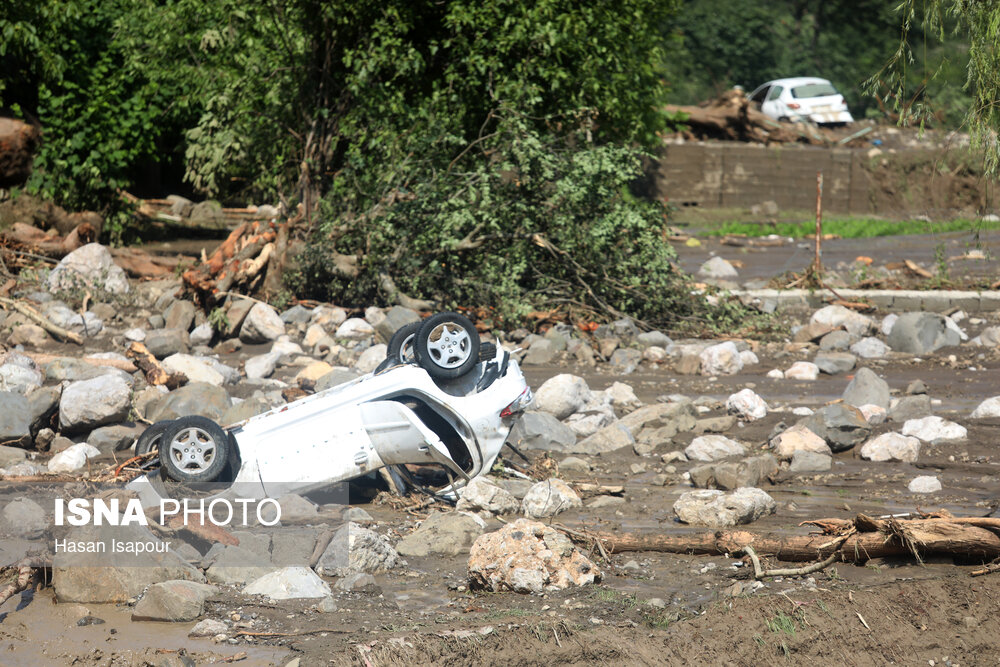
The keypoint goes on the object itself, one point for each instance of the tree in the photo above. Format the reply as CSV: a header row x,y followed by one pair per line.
x,y
978,23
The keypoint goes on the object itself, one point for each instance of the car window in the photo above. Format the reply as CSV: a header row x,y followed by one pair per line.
x,y
760,95
813,90
775,92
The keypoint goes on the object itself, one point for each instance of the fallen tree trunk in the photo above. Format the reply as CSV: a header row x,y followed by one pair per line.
x,y
42,358
235,262
42,321
858,541
50,244
154,371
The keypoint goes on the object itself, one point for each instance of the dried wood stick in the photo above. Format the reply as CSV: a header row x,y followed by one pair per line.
x,y
42,321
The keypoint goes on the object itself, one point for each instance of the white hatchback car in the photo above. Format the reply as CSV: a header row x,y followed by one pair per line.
x,y
802,98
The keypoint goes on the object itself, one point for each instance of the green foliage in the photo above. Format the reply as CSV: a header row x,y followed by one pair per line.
x,y
977,24
851,228
716,44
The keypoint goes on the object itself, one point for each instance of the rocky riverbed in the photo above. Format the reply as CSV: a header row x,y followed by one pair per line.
x,y
631,431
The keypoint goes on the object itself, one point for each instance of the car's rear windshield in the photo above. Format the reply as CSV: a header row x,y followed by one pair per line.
x,y
813,90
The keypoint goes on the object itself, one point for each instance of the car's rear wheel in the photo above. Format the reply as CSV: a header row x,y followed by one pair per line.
x,y
194,449
447,345
401,344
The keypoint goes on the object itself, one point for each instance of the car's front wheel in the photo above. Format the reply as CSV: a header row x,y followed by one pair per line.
x,y
194,449
447,345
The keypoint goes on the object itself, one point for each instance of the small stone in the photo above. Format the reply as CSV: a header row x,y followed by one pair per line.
x,y
933,429
549,498
747,405
262,325
354,328
806,461
891,447
865,388
721,359
924,484
798,438
723,510
802,370
562,395
713,448
870,348
208,627
987,409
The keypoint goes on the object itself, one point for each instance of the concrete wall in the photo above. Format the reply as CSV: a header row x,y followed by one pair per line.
x,y
733,175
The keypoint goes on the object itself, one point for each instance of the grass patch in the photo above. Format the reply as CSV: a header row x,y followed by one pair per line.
x,y
852,228
782,623
513,612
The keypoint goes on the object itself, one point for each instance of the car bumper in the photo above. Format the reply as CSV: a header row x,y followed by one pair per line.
x,y
823,117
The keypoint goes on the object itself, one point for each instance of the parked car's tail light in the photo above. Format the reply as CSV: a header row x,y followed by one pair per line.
x,y
793,105
519,404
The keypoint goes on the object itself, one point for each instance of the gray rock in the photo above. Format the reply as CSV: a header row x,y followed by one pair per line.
x,y
18,373
607,439
296,315
934,429
625,360
748,472
717,268
289,583
73,458
891,447
261,366
15,418
713,448
293,546
805,461
90,266
202,335
836,317
542,431
197,398
23,517
262,324
371,358
867,388
562,395
395,319
989,408
922,333
116,438
356,582
163,343
208,627
835,340
721,359
796,439
354,328
357,549
549,498
917,387
747,405
481,495
834,363
541,352
924,484
335,377
841,426
296,508
173,601
244,410
98,578
574,464
236,312
442,533
654,339
209,214
910,407
11,456
870,348
68,369
91,403
180,206
723,510
680,414
237,565
179,315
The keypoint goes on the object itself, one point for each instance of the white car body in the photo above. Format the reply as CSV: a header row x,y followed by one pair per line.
x,y
390,418
802,98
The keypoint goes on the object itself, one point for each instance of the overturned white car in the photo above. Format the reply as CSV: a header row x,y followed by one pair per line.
x,y
440,401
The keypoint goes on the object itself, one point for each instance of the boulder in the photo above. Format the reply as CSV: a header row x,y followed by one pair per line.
x,y
356,582
721,359
837,317
443,534
717,268
990,408
562,395
357,549
195,369
717,509
747,405
91,403
836,340
73,458
335,377
179,315
480,495
934,429
841,426
395,319
654,339
113,578
751,471
870,348
198,398
548,498
289,583
163,343
891,447
805,461
542,431
30,335
867,388
19,373
354,328
208,627
23,517
910,407
236,564
713,448
209,214
176,601
115,438
528,557
262,325
89,267
371,358
607,439
201,335
625,360
15,418
924,484
802,370
11,456
922,333
261,366
798,438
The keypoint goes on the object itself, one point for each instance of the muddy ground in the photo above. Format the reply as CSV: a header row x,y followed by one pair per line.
x,y
651,608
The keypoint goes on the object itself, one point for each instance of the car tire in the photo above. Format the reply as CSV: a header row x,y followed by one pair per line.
x,y
401,344
487,351
150,438
447,345
194,449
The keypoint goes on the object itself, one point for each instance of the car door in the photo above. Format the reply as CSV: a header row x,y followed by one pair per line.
x,y
758,96
773,106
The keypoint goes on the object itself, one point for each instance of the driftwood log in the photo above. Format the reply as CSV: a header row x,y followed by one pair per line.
x,y
49,244
852,541
236,262
154,371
